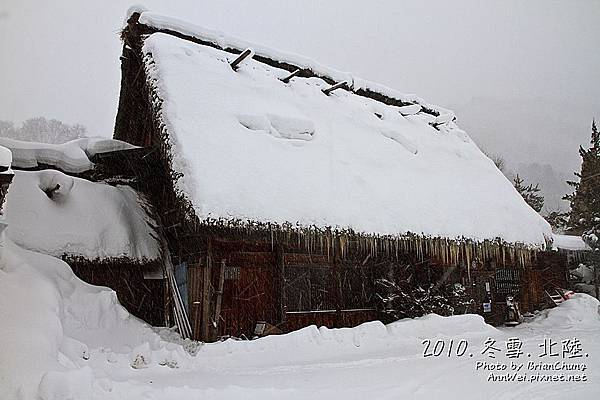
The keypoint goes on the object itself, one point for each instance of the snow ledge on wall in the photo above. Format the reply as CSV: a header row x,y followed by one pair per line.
x,y
72,157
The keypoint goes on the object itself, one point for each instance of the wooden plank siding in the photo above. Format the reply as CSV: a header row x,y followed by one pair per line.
x,y
258,280
143,298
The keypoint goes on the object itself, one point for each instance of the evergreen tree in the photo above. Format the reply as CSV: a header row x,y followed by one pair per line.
x,y
531,194
585,200
584,217
557,220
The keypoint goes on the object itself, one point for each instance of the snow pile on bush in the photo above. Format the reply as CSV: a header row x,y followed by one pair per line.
x,y
73,156
56,214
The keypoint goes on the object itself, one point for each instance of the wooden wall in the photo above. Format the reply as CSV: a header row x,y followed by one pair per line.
x,y
263,282
144,298
527,285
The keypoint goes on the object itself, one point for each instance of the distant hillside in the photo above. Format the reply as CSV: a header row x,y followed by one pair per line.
x,y
540,145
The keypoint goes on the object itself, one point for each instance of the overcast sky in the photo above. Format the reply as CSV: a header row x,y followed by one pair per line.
x,y
522,76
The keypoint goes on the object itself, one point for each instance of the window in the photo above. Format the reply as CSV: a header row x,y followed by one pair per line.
x,y
321,288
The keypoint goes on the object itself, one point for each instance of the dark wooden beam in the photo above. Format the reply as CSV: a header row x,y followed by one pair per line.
x,y
334,87
206,295
290,76
236,63
218,300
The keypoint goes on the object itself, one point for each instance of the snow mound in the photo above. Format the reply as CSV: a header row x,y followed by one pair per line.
x,y
56,214
72,157
54,183
61,385
59,327
279,126
312,343
580,311
434,325
584,273
400,139
410,109
292,128
49,328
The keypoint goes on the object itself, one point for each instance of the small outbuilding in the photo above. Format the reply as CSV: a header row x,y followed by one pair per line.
x,y
62,202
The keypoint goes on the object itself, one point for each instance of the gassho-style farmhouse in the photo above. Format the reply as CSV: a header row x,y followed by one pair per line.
x,y
263,192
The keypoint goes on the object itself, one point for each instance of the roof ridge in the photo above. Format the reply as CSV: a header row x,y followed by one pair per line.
x,y
141,21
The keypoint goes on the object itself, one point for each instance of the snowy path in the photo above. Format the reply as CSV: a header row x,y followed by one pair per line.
x,y
398,371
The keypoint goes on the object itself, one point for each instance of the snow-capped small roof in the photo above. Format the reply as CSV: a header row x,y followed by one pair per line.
x,y
251,147
72,157
569,242
5,157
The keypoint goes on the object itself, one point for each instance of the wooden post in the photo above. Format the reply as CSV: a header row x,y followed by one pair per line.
x,y
290,76
236,63
195,273
334,87
280,284
219,297
206,297
597,280
167,302
179,311
337,276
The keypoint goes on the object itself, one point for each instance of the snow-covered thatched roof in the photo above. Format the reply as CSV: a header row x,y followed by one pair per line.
x,y
363,157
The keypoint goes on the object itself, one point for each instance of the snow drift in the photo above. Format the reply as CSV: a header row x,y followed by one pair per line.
x,y
580,311
50,319
314,344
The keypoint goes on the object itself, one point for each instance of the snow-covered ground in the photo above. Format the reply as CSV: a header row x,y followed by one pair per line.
x,y
61,338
